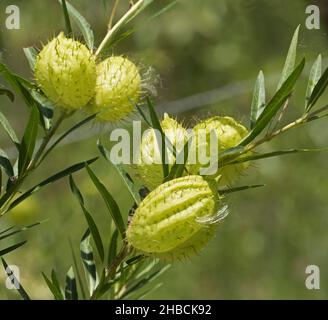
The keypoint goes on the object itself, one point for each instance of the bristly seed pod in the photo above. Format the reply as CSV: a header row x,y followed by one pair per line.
x,y
118,89
149,170
229,133
65,70
177,219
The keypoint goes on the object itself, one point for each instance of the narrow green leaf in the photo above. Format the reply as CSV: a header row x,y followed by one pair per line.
x,y
46,108
6,164
11,248
243,188
123,175
110,203
70,288
77,271
67,19
291,59
82,23
52,179
274,105
9,130
315,75
15,281
30,54
260,156
112,248
28,142
67,133
318,90
90,221
258,102
8,93
161,141
89,264
53,288
4,235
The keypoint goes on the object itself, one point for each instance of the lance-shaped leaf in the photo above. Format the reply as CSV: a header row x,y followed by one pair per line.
x,y
11,248
6,234
291,59
54,285
258,102
242,188
28,142
315,75
66,17
8,93
15,282
318,90
30,54
111,204
274,105
6,164
90,221
70,287
112,248
9,130
127,180
52,179
89,264
82,23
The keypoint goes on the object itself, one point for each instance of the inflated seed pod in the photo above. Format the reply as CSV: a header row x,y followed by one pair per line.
x,y
65,70
229,133
177,219
118,89
149,170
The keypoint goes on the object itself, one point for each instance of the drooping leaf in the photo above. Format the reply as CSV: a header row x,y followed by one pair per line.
x,y
111,204
112,248
90,221
77,271
9,130
70,287
11,248
82,23
55,177
89,264
54,290
315,75
8,93
279,153
123,175
67,133
28,142
15,281
243,188
30,54
318,90
258,102
291,59
6,164
274,105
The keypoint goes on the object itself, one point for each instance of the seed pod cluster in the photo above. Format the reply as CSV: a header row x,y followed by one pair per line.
x,y
167,224
66,71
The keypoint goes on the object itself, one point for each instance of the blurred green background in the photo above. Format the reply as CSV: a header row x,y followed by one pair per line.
x,y
216,48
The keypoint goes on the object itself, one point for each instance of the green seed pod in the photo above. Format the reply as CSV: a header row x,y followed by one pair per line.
x,y
229,133
65,70
118,89
149,169
177,219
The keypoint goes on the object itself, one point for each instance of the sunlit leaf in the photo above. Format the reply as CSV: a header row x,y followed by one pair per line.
x,y
315,75
258,102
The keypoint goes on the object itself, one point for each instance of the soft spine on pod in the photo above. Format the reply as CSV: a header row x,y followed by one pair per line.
x,y
228,135
118,89
65,70
166,225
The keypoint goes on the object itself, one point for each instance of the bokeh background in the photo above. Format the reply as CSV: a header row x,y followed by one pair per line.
x,y
206,55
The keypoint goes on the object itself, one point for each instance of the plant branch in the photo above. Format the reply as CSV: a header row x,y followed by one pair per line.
x,y
112,16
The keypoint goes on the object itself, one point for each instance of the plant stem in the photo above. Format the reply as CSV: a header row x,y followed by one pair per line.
x,y
112,16
132,11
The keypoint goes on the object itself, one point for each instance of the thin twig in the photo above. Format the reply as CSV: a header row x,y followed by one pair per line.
x,y
112,16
